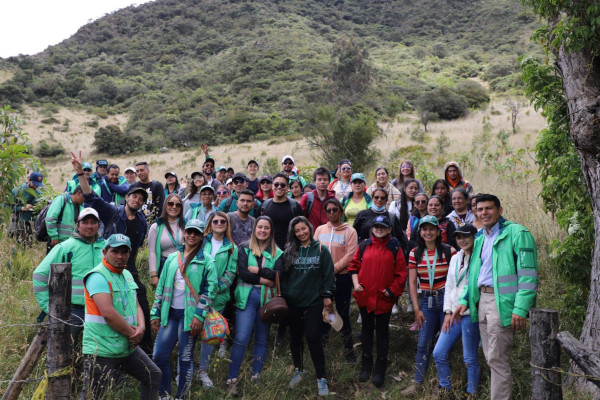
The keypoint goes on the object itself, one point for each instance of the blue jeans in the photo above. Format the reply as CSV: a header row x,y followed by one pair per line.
x,y
470,341
247,320
434,317
165,341
206,351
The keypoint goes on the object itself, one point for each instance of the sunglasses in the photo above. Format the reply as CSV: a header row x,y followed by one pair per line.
x,y
379,198
197,179
287,163
420,201
173,204
219,222
206,193
279,184
193,232
221,191
332,210
238,182
346,169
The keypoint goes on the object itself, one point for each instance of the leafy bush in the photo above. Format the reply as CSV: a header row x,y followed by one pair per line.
x,y
45,150
443,102
111,140
475,94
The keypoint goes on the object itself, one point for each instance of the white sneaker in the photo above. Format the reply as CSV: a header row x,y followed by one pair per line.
x,y
222,352
205,380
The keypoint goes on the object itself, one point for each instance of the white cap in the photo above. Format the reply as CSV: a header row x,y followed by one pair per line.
x,y
88,211
229,181
129,169
287,156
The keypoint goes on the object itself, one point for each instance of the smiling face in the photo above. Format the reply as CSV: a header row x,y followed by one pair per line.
x,y
239,184
421,203
382,177
346,171
380,231
459,202
266,186
174,207
192,237
302,232
411,190
287,165
465,242
113,175
88,227
489,213
143,172
219,224
206,196
171,180
280,187
379,198
429,232
406,170
252,169
434,207
262,230
134,201
199,180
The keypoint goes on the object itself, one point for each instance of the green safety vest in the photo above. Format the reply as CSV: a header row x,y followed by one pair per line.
x,y
81,254
98,337
242,291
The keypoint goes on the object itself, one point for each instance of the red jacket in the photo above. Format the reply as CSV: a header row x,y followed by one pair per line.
x,y
317,215
378,272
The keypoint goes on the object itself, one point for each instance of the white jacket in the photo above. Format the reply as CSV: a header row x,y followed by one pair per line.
x,y
453,292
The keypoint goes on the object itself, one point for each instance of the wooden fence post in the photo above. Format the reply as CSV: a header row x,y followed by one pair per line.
x,y
59,333
584,357
35,350
545,354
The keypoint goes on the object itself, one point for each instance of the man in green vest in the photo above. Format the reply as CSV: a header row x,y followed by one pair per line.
x,y
502,288
114,326
83,250
62,216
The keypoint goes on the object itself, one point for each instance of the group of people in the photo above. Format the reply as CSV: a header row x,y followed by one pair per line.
x,y
470,274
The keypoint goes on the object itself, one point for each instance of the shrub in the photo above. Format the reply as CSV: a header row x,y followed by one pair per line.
x,y
111,140
443,102
475,94
46,150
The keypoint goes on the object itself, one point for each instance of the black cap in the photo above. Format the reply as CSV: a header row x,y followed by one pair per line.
x,y
137,189
196,173
266,178
101,163
170,174
253,162
239,175
344,161
383,220
466,229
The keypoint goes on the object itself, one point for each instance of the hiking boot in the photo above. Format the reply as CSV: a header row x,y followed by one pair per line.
x,y
222,352
413,390
232,387
365,368
255,378
297,378
205,380
323,388
379,376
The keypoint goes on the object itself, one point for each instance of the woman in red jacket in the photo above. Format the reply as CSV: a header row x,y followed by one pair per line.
x,y
378,275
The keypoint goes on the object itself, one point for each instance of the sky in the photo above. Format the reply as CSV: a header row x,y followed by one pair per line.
x,y
29,26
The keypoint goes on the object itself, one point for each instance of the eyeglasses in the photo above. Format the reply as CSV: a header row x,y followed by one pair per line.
x,y
379,198
287,163
219,222
206,193
346,169
193,232
332,210
279,185
197,179
405,167
420,202
173,204
238,182
222,192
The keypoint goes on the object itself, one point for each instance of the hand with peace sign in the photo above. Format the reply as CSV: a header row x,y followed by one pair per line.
x,y
76,163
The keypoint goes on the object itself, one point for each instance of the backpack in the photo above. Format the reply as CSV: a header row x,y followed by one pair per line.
x,y
39,226
292,203
310,199
363,245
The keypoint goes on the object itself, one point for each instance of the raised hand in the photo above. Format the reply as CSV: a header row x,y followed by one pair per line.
x,y
76,162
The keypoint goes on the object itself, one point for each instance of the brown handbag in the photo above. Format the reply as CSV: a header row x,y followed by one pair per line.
x,y
276,309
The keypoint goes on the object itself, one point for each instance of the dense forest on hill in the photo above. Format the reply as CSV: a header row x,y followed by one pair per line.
x,y
194,70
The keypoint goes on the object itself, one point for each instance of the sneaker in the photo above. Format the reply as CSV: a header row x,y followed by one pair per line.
x,y
323,388
232,387
255,378
410,308
222,349
412,390
297,378
205,380
359,320
395,309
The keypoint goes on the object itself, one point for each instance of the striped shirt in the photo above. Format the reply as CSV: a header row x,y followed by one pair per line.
x,y
441,269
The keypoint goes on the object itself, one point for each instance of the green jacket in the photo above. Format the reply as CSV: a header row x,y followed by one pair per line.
x,y
514,269
98,337
63,229
201,274
242,290
225,267
311,278
23,196
73,183
82,255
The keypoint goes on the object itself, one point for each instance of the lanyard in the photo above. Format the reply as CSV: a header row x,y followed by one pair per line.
x,y
175,242
430,269
460,277
344,188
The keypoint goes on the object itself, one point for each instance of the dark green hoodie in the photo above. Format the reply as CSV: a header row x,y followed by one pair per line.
x,y
311,277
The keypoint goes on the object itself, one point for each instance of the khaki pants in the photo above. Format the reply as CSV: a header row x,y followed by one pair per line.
x,y
496,342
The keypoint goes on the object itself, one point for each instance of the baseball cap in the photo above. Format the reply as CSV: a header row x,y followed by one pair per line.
x,y
287,157
221,168
266,178
239,175
118,240
195,224
382,220
229,181
170,174
429,219
137,189
344,161
209,158
88,165
466,229
196,173
88,211
101,163
129,169
37,179
253,162
207,187
357,176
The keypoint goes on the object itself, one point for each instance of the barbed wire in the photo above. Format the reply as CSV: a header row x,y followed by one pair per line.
x,y
562,371
28,380
46,323
22,325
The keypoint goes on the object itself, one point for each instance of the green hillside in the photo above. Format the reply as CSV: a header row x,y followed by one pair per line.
x,y
222,71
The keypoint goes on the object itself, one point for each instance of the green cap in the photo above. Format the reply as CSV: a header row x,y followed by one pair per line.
x,y
86,165
118,240
221,168
429,219
195,224
207,187
358,177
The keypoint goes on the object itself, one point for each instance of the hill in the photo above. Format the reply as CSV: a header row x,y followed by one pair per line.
x,y
187,71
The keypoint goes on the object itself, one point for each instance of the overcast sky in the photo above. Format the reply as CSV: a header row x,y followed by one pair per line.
x,y
29,26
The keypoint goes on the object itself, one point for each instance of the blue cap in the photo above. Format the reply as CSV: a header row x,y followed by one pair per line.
x,y
357,176
37,179
87,165
195,224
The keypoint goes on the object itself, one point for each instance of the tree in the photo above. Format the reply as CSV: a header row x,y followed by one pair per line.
x,y
111,140
443,102
350,69
341,133
514,106
572,37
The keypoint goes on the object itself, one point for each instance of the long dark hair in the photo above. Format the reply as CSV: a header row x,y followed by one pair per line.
x,y
193,254
404,203
421,246
192,188
165,217
292,246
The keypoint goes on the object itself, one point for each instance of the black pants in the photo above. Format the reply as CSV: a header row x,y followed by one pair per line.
x,y
379,323
343,296
307,321
146,344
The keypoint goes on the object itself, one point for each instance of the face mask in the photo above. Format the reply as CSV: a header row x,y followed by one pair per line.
x,y
378,209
